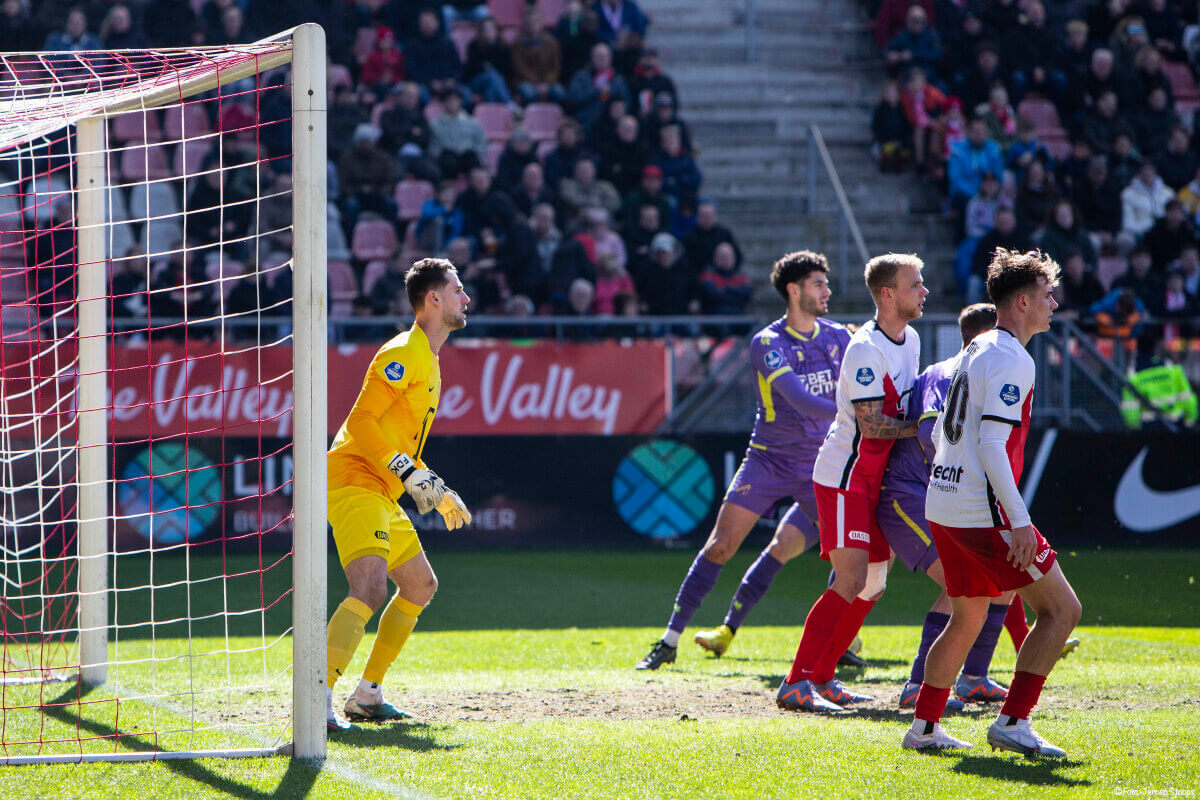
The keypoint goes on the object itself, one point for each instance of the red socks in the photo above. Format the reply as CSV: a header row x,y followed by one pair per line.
x,y
931,703
843,635
1015,622
819,628
1022,694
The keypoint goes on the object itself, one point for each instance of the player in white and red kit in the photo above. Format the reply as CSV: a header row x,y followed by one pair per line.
x,y
980,525
878,370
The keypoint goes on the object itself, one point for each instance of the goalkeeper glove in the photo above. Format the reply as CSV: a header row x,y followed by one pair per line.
x,y
422,486
452,508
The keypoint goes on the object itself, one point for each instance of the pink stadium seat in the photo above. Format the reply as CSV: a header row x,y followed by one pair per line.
x,y
542,120
189,157
1057,143
510,34
433,110
497,120
410,196
1108,269
491,158
373,238
544,148
372,273
364,42
137,126
146,162
507,12
551,11
338,75
1040,112
343,288
1183,84
190,118
461,33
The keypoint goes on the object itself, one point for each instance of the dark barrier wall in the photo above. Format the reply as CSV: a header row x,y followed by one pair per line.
x,y
628,490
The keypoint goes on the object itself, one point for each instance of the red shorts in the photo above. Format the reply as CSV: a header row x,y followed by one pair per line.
x,y
976,564
847,519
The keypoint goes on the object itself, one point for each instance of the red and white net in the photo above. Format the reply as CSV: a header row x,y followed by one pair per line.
x,y
197,228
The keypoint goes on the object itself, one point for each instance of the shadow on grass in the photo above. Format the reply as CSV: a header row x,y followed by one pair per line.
x,y
1033,772
296,782
418,737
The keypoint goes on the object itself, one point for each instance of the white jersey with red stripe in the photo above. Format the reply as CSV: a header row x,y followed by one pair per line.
x,y
875,367
992,381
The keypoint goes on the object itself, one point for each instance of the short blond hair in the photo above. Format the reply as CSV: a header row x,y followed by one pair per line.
x,y
881,270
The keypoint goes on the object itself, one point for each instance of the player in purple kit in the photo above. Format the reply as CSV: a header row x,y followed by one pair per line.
x,y
901,518
796,360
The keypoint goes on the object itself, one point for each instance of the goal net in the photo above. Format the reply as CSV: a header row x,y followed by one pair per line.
x,y
162,414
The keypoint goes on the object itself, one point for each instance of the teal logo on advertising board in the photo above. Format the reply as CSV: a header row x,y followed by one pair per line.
x,y
663,489
169,494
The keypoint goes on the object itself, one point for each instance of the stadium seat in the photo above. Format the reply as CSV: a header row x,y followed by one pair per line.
x,y
507,12
136,126
541,120
1183,83
161,235
40,194
1040,112
189,157
226,271
338,75
433,110
152,200
372,273
461,33
145,162
551,11
544,148
1057,142
410,196
19,324
343,288
497,120
491,157
1108,269
10,210
373,238
364,42
190,118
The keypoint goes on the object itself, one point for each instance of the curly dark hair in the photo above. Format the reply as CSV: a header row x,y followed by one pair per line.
x,y
794,268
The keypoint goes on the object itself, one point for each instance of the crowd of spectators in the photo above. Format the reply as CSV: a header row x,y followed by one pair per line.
x,y
1063,124
546,157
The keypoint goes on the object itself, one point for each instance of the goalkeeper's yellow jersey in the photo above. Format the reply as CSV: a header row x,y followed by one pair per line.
x,y
392,414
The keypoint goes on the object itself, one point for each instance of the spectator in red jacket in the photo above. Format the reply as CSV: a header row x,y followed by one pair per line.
x,y
384,67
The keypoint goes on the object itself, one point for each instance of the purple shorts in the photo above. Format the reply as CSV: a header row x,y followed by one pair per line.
x,y
766,478
901,517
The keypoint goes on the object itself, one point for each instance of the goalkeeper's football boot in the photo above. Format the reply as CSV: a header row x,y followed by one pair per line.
x,y
1018,736
369,706
908,698
661,653
836,692
1070,646
334,723
979,690
937,739
801,696
715,641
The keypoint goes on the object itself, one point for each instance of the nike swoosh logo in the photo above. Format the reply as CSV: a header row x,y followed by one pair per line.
x,y
1142,509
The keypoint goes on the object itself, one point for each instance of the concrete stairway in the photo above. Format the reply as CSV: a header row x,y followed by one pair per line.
x,y
816,62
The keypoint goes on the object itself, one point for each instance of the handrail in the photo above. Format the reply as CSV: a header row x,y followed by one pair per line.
x,y
847,221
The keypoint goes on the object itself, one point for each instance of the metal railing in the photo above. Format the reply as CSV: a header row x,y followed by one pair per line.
x,y
818,154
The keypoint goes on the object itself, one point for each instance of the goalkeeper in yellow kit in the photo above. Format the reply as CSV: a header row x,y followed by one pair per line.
x,y
375,457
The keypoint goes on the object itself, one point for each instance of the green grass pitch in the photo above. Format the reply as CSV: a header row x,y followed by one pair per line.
x,y
521,677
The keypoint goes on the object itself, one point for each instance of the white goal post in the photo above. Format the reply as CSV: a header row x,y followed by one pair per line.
x,y
84,486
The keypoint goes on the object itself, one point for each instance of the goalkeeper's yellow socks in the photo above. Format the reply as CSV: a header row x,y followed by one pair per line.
x,y
344,633
397,622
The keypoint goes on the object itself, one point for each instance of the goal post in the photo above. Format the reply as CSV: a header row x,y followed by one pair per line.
x,y
163,418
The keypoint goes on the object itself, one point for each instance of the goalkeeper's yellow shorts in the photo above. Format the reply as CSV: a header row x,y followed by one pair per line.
x,y
366,523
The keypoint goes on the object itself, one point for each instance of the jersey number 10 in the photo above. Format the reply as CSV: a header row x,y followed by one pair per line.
x,y
956,408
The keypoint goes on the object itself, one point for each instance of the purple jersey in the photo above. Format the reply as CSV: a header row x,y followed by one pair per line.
x,y
797,379
909,462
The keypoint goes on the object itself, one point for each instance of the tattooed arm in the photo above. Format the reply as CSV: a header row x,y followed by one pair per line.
x,y
874,424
